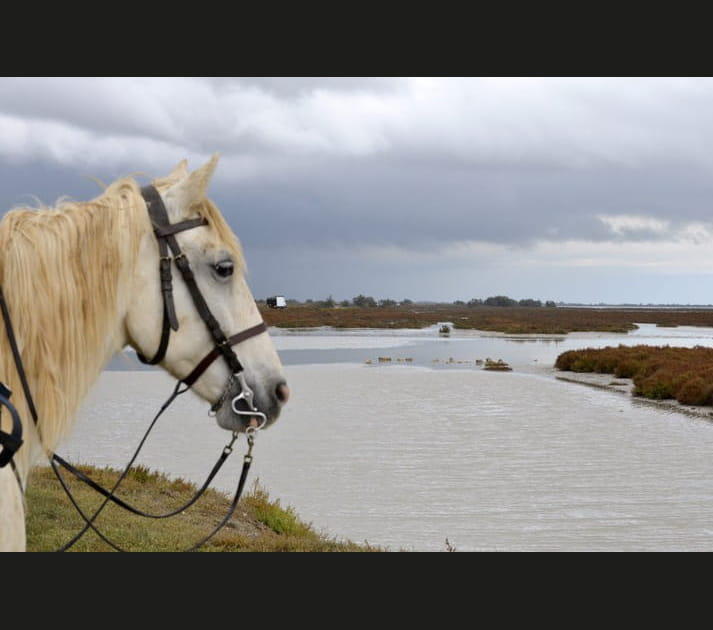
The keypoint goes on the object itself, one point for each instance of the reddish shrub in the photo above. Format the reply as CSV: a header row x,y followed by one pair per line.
x,y
658,372
695,391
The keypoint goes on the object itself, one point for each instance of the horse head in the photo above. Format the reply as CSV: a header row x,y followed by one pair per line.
x,y
159,307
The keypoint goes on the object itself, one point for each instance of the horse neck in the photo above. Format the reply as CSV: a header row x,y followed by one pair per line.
x,y
65,273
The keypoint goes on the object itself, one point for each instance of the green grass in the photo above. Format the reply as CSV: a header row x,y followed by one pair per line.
x,y
258,524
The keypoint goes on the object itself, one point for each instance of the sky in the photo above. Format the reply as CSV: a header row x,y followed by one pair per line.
x,y
573,189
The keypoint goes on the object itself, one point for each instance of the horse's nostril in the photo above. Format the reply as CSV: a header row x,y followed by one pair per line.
x,y
282,392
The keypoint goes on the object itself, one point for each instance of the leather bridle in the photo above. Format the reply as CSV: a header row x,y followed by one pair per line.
x,y
166,236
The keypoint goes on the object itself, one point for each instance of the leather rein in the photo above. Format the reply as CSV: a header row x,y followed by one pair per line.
x,y
242,403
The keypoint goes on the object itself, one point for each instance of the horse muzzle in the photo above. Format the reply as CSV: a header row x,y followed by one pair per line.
x,y
244,406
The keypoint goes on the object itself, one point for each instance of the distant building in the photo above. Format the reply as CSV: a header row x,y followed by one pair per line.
x,y
277,301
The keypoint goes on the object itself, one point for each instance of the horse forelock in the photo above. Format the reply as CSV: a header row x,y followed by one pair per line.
x,y
225,235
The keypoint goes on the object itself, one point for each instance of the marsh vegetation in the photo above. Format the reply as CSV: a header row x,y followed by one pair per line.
x,y
658,372
505,319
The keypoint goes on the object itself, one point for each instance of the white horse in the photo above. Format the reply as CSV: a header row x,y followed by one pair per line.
x,y
81,282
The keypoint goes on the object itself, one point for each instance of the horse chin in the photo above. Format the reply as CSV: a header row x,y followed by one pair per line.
x,y
231,421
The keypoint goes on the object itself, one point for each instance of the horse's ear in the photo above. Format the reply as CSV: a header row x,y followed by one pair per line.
x,y
200,178
180,171
192,188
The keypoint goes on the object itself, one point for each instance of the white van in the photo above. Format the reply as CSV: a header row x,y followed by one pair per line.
x,y
277,301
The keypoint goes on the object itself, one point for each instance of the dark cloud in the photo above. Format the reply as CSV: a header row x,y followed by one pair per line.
x,y
359,202
348,184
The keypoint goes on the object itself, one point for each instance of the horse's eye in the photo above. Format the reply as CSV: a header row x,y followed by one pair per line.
x,y
224,268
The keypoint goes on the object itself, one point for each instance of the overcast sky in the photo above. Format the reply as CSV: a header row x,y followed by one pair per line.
x,y
567,189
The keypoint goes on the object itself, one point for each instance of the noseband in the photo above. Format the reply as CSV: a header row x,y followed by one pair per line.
x,y
165,235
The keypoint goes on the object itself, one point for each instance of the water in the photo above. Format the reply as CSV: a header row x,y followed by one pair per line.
x,y
407,455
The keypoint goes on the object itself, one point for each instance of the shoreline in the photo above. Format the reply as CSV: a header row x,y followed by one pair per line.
x,y
624,386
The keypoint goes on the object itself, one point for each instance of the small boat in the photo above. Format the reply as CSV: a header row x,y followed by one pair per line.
x,y
444,330
497,366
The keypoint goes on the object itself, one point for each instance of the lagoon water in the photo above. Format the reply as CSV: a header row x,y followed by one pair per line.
x,y
409,454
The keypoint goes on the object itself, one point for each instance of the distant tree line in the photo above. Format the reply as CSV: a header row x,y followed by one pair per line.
x,y
504,300
366,301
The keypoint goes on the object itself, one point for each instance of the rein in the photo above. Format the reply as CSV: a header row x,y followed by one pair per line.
x,y
165,235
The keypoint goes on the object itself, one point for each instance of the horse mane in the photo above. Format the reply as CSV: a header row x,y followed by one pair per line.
x,y
60,270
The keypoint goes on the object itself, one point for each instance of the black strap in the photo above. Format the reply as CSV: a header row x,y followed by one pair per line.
x,y
215,352
11,442
163,229
109,494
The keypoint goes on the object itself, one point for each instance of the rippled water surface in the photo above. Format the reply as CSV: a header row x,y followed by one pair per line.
x,y
409,454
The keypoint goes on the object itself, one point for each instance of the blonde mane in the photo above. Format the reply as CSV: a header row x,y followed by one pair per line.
x,y
60,271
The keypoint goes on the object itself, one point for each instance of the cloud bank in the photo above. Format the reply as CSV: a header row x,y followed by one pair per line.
x,y
453,173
